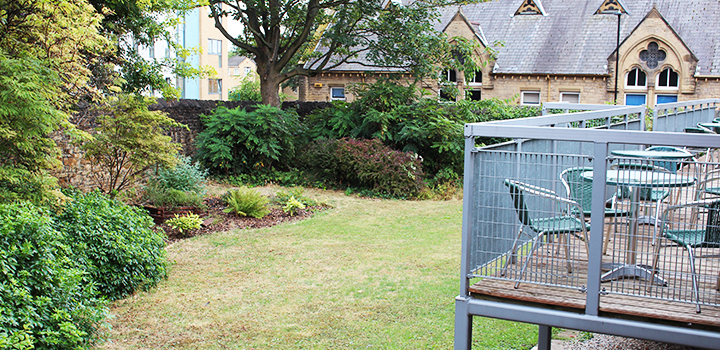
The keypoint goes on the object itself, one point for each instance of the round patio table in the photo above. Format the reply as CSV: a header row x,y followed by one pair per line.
x,y
665,155
637,179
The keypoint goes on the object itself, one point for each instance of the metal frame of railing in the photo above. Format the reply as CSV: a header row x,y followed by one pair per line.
x,y
558,140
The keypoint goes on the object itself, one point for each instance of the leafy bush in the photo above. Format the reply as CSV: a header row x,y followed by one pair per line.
x,y
172,198
400,118
368,164
28,115
184,176
247,90
185,223
130,140
246,202
44,301
236,141
292,206
180,186
114,243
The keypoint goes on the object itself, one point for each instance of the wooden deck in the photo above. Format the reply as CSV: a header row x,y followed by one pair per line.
x,y
628,298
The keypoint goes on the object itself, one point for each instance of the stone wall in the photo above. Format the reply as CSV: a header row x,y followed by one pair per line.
x,y
76,169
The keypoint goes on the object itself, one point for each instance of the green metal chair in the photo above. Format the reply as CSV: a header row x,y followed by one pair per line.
x,y
692,235
579,189
561,224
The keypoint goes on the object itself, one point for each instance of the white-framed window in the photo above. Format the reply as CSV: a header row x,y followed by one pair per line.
x,y
530,97
635,99
337,93
667,79
151,50
660,99
214,86
449,75
636,78
475,79
167,52
474,95
247,70
569,97
215,48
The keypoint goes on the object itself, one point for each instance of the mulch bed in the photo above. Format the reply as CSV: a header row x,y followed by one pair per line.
x,y
217,220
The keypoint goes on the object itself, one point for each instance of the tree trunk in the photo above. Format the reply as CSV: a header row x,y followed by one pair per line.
x,y
269,89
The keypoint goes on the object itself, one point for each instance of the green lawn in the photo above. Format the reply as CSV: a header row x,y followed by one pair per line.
x,y
367,274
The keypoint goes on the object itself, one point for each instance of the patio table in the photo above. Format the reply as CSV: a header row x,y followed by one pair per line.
x,y
650,154
712,126
637,179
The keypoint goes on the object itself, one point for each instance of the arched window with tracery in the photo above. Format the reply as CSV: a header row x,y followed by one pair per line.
x,y
636,78
668,79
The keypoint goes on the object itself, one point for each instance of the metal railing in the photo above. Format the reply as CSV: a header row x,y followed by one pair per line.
x,y
500,234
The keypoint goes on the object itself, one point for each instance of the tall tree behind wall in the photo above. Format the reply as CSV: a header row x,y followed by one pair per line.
x,y
281,36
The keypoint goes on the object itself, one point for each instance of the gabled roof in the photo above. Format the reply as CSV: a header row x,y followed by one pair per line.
x,y
655,13
612,7
235,61
571,39
530,7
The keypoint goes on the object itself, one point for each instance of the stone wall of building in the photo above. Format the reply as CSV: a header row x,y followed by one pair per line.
x,y
77,171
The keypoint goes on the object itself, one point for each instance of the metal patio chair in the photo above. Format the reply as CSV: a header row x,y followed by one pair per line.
x,y
692,235
579,189
562,224
647,195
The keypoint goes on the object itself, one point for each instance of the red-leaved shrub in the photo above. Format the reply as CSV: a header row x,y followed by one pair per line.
x,y
369,164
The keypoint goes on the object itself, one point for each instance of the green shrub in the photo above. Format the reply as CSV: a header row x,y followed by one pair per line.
x,y
236,141
44,302
246,202
114,243
172,198
401,119
185,223
185,176
247,90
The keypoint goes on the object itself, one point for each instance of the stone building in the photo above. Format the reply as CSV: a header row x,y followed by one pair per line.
x,y
565,50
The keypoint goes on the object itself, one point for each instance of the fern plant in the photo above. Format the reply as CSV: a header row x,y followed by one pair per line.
x,y
246,202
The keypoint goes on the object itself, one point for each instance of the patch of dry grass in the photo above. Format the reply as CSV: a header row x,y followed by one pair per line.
x,y
367,274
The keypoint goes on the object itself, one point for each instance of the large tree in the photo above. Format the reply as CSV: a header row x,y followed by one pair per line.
x,y
282,36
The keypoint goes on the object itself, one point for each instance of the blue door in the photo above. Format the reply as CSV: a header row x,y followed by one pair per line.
x,y
634,99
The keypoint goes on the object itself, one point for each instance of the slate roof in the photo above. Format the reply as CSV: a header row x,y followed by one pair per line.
x,y
571,40
234,61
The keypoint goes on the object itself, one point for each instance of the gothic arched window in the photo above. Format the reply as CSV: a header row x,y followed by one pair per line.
x,y
636,78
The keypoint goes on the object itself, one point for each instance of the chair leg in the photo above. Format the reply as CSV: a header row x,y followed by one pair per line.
x,y
606,239
511,257
529,257
696,290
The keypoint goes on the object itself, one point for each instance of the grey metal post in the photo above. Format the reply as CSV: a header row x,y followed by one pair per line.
x,y
596,229
544,337
463,324
463,319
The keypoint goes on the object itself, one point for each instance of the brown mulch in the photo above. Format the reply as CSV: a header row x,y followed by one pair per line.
x,y
216,220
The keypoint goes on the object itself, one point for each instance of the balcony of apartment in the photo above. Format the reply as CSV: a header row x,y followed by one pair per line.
x,y
591,220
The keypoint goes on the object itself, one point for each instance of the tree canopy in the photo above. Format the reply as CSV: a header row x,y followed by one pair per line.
x,y
281,36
